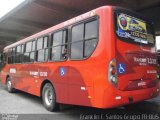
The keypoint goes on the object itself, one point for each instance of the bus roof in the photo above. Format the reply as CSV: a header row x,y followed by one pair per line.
x,y
56,27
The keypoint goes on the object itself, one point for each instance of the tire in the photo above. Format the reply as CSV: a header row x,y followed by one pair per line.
x,y
10,89
49,97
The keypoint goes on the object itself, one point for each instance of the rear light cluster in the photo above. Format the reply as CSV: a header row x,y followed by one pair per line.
x,y
112,72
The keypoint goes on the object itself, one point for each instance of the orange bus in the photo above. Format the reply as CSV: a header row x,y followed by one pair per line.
x,y
104,58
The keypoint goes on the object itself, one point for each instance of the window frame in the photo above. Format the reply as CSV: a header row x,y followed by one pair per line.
x,y
61,45
68,30
24,50
18,55
10,56
85,21
48,45
34,40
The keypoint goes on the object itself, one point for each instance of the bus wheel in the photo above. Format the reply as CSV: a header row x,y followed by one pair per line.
x,y
10,89
49,97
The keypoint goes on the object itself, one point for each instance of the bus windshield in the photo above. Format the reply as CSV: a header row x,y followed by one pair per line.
x,y
133,29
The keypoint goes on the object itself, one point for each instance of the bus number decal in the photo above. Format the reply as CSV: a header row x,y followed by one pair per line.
x,y
145,61
35,73
43,74
12,70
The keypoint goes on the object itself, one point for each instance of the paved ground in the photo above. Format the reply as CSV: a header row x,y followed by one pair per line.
x,y
22,106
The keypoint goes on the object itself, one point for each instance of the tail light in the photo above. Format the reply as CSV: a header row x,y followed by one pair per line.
x,y
112,72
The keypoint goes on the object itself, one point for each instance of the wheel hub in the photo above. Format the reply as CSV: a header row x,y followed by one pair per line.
x,y
48,97
9,85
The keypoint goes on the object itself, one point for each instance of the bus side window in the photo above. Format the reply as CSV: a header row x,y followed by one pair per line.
x,y
77,41
5,58
84,39
90,39
42,49
29,52
22,51
18,53
11,55
32,53
58,49
45,46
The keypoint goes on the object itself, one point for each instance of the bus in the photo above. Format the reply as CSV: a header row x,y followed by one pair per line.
x,y
104,58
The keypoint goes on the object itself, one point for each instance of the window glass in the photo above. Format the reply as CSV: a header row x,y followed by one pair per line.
x,y
13,51
40,57
12,57
17,59
33,45
9,60
89,47
42,48
64,54
26,57
91,29
56,53
46,54
84,43
28,46
77,50
40,43
77,32
10,52
58,43
64,37
18,49
32,55
4,58
45,42
57,38
22,48
20,58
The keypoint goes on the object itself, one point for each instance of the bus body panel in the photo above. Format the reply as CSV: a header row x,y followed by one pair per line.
x,y
136,63
136,70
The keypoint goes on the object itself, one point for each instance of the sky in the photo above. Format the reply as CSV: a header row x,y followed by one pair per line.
x,y
8,5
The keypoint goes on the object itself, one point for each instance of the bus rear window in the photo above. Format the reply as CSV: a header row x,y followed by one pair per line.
x,y
134,30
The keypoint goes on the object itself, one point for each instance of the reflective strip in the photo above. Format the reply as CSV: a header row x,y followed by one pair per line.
x,y
83,88
118,97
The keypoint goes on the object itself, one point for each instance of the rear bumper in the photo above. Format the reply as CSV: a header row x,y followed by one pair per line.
x,y
119,98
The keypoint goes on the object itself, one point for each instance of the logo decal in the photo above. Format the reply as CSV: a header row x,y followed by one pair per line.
x,y
121,68
62,71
